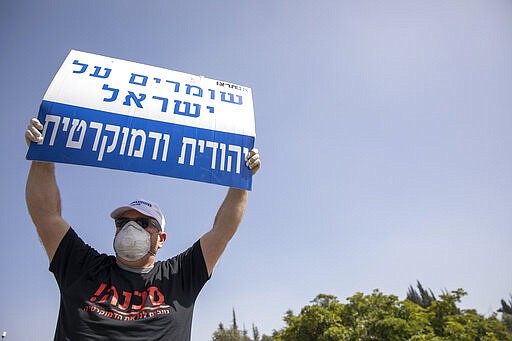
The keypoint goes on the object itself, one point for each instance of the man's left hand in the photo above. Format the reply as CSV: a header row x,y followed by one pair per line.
x,y
253,160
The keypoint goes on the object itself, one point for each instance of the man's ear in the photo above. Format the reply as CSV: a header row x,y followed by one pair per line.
x,y
162,236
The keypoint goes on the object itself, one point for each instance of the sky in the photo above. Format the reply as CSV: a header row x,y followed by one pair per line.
x,y
384,134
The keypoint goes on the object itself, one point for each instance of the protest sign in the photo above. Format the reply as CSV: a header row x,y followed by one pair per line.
x,y
111,113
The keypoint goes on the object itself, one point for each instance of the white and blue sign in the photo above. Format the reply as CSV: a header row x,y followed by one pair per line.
x,y
111,113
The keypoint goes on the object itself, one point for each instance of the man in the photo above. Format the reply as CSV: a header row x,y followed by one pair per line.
x,y
129,296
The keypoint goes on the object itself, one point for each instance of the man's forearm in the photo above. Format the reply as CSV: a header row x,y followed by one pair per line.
x,y
228,218
231,212
224,227
42,193
43,202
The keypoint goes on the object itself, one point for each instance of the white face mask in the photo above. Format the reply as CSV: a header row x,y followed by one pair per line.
x,y
132,242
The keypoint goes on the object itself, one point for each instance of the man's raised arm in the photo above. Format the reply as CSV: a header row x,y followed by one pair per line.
x,y
228,219
43,197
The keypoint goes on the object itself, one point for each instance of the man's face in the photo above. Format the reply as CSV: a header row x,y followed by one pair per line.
x,y
157,238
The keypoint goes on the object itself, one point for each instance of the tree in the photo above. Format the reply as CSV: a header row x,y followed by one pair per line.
x,y
506,310
234,334
421,297
381,317
384,317
506,307
319,321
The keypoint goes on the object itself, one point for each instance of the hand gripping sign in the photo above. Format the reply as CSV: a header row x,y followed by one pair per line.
x,y
111,113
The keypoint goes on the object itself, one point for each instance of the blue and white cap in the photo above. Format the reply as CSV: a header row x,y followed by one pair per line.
x,y
146,207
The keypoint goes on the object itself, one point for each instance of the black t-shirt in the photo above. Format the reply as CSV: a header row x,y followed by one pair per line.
x,y
101,301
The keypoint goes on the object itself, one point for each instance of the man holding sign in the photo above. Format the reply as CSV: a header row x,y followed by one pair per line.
x,y
130,296
111,113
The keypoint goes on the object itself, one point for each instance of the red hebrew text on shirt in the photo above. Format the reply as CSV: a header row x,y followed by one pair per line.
x,y
109,302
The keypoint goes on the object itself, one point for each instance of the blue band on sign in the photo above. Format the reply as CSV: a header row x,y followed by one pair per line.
x,y
102,139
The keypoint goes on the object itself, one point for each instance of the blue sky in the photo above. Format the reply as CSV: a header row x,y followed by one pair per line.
x,y
383,126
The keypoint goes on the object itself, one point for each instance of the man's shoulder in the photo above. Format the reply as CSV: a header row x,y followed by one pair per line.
x,y
73,246
177,261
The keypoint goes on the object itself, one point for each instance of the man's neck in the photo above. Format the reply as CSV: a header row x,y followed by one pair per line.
x,y
142,265
139,270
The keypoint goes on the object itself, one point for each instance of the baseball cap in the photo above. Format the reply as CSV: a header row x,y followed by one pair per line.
x,y
146,207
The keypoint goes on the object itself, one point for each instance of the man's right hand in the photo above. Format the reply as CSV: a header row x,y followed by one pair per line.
x,y
33,132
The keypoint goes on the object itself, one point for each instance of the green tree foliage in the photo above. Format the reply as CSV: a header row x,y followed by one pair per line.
x,y
380,317
384,317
